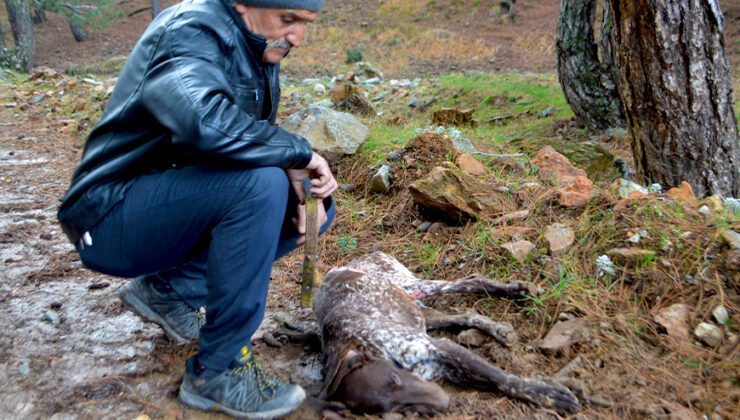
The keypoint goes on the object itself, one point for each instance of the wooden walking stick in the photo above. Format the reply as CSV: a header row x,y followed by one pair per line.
x,y
311,277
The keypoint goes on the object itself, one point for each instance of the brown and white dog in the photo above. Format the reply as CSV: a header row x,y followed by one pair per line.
x,y
379,357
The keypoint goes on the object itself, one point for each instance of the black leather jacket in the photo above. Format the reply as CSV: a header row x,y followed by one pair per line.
x,y
191,92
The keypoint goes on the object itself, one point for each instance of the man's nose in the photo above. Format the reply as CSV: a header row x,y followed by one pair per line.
x,y
295,36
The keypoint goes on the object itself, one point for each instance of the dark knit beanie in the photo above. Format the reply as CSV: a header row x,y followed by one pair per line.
x,y
312,5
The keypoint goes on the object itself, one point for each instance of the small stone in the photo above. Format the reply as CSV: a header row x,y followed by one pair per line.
x,y
142,417
731,238
413,102
733,204
472,338
98,285
605,266
709,334
675,319
655,189
683,193
546,112
52,317
396,154
24,368
519,250
705,211
715,203
721,315
560,238
435,227
424,227
635,239
504,190
528,185
56,305
319,88
38,98
563,335
381,182
688,278
565,316
732,260
511,217
470,165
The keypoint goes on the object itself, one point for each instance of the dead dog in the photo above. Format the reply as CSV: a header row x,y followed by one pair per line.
x,y
379,358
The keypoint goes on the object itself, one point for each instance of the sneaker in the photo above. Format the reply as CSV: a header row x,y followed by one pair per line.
x,y
244,391
165,308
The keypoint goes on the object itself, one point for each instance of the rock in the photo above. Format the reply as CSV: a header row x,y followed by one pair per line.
x,y
435,227
368,70
98,285
563,335
626,187
520,250
675,319
552,165
511,217
683,193
381,181
655,188
731,238
470,165
52,317
471,338
546,112
559,238
453,117
463,145
326,103
528,185
605,266
575,192
457,196
330,132
709,334
631,256
732,260
424,227
733,204
319,88
721,315
503,189
372,81
705,211
37,98
414,102
348,96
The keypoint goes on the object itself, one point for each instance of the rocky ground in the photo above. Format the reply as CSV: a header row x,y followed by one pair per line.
x,y
635,279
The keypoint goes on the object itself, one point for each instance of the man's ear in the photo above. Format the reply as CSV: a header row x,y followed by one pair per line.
x,y
339,368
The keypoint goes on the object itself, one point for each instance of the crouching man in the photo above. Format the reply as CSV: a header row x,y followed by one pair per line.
x,y
187,183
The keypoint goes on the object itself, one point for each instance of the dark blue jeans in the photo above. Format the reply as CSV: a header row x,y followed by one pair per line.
x,y
213,234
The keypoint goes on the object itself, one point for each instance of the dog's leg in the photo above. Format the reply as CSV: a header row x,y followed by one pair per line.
x,y
502,332
466,368
472,284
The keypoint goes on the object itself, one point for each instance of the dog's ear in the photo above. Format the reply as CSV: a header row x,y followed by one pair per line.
x,y
341,363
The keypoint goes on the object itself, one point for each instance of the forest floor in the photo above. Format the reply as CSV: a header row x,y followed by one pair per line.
x,y
71,350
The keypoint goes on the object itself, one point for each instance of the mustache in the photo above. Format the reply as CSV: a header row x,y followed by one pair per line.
x,y
280,43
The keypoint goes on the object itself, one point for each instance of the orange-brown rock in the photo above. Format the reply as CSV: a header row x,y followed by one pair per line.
x,y
457,196
683,193
554,166
470,165
575,191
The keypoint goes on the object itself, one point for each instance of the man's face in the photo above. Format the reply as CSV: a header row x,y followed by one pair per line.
x,y
283,28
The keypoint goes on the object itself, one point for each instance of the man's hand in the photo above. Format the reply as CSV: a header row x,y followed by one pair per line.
x,y
322,185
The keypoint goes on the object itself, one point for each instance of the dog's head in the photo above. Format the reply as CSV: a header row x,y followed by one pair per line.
x,y
370,385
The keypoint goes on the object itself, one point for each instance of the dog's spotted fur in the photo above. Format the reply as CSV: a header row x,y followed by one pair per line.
x,y
369,306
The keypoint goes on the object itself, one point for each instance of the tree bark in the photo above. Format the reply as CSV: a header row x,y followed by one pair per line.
x,y
78,31
19,15
587,81
675,83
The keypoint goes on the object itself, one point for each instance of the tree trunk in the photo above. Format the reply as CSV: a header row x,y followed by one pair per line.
x,y
19,15
588,83
155,8
78,31
39,16
675,83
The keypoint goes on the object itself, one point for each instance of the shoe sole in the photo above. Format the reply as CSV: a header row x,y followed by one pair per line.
x,y
192,399
129,297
